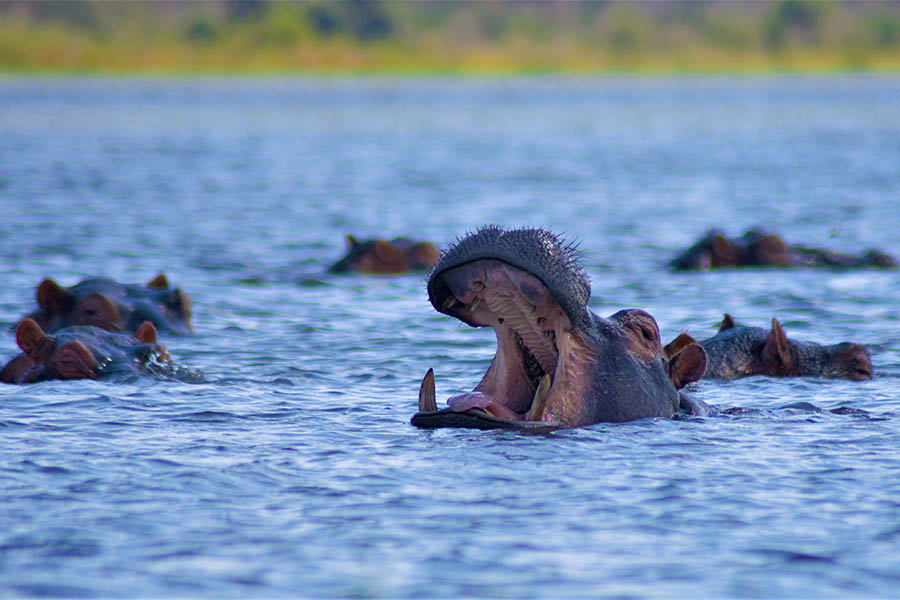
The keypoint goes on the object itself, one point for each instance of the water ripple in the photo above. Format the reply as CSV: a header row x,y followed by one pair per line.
x,y
290,468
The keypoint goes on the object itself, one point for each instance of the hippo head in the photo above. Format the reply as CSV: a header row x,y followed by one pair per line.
x,y
716,251
758,248
109,305
784,357
383,257
713,251
740,351
877,258
79,352
557,364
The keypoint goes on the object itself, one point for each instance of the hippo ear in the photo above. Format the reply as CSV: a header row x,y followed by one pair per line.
x,y
146,333
352,242
727,323
182,302
776,352
54,298
425,254
688,365
159,282
773,251
723,251
677,345
387,252
29,335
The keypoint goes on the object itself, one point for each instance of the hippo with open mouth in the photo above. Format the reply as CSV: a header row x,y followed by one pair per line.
x,y
557,364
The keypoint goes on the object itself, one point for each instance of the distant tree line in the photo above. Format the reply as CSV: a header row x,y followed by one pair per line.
x,y
582,33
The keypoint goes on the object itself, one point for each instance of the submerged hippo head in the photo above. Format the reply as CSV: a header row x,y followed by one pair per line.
x,y
717,251
383,257
80,352
761,249
737,351
557,364
712,251
113,306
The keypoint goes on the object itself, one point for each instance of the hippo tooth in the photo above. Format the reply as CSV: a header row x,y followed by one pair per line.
x,y
449,303
427,402
475,304
540,397
478,286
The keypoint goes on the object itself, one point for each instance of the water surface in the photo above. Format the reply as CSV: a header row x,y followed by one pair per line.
x,y
291,470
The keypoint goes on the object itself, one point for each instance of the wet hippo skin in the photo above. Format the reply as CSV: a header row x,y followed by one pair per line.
x,y
557,364
111,305
739,351
757,248
382,257
83,352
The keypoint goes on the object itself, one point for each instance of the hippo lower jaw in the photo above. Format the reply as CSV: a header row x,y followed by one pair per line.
x,y
538,378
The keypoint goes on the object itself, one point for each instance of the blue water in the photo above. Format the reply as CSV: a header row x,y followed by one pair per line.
x,y
292,469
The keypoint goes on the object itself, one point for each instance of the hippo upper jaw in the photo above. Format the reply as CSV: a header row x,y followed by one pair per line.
x,y
540,371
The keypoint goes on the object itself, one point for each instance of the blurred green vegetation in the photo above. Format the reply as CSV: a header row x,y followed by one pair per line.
x,y
417,37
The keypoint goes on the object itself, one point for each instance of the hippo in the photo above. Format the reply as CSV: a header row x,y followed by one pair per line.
x,y
557,365
756,248
114,306
383,257
84,352
737,351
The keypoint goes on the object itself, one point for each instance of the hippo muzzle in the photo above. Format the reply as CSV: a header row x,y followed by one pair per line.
x,y
557,365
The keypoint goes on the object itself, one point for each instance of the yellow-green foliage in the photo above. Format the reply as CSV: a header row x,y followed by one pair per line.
x,y
485,36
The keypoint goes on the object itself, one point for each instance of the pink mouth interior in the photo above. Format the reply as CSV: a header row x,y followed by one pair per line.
x,y
524,316
464,402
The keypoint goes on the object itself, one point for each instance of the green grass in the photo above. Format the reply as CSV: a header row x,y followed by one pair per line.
x,y
352,37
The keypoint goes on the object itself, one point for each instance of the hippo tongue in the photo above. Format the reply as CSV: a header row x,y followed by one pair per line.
x,y
464,402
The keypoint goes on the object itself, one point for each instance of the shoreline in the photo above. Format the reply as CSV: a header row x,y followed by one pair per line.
x,y
7,74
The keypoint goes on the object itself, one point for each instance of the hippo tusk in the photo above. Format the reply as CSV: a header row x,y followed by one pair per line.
x,y
449,303
427,402
474,304
536,412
